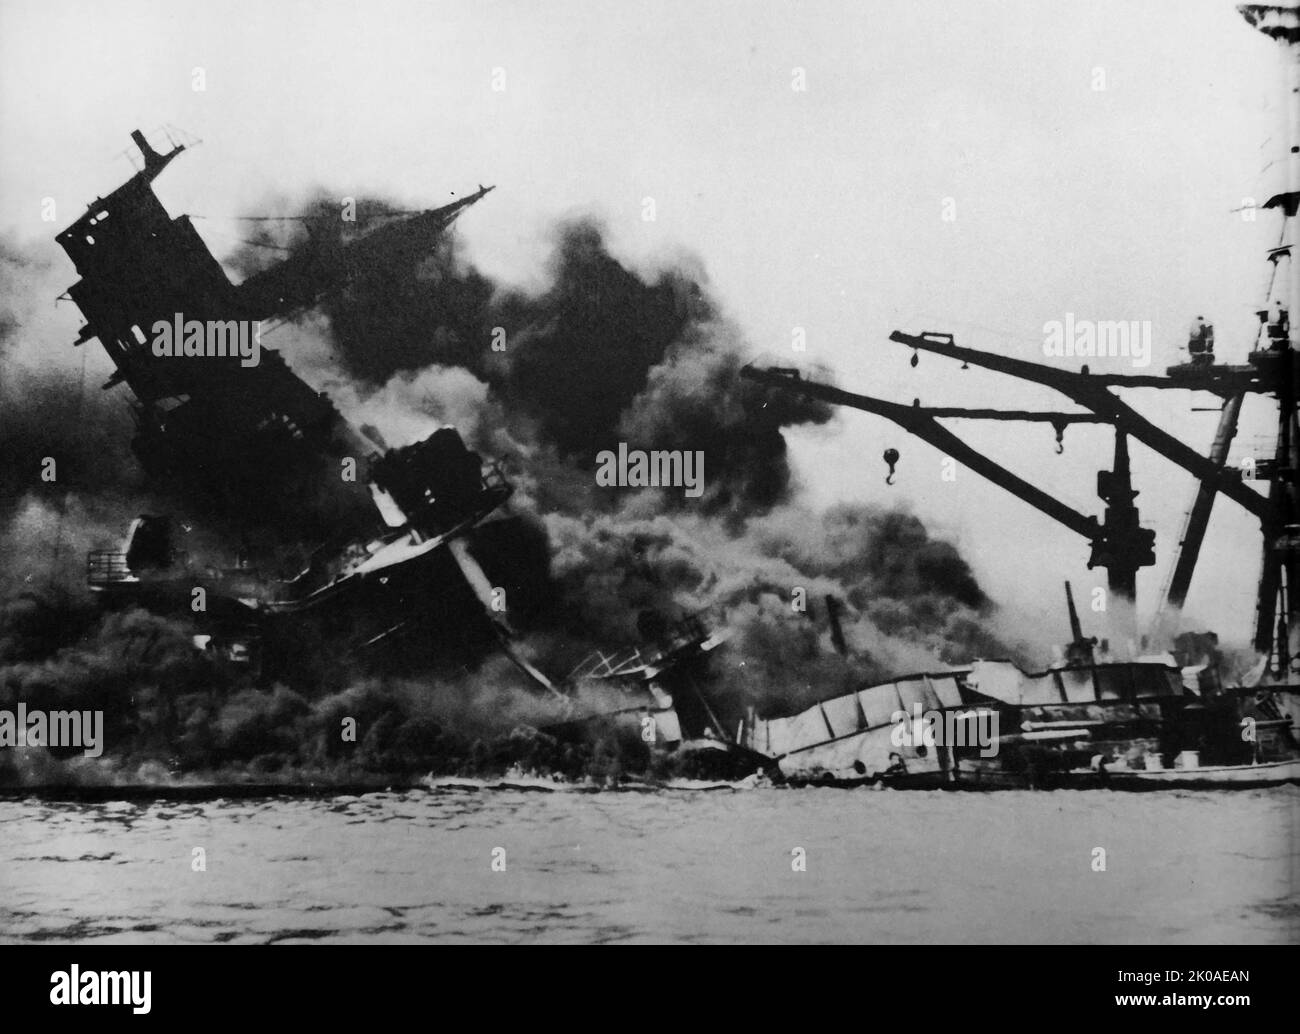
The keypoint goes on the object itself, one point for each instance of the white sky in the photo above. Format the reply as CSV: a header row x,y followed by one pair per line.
x,y
818,209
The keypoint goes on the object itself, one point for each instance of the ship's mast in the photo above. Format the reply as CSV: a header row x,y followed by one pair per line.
x,y
1277,625
154,162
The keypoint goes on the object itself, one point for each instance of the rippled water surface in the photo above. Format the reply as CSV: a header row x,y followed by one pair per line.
x,y
668,865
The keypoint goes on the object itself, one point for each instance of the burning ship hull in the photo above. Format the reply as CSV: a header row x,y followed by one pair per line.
x,y
230,431
415,555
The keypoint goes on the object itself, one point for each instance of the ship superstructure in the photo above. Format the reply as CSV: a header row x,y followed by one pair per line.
x,y
394,535
334,551
1134,717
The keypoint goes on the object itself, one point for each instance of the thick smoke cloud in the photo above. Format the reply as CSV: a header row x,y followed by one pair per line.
x,y
602,354
52,410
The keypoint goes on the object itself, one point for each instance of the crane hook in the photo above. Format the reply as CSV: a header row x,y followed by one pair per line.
x,y
891,457
1060,438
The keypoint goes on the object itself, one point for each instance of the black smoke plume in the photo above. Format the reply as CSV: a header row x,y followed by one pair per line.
x,y
603,354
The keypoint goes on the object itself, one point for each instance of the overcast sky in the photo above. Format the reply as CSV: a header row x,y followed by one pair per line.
x,y
818,208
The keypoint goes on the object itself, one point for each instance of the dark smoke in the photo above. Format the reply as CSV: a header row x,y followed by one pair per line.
x,y
603,353
54,411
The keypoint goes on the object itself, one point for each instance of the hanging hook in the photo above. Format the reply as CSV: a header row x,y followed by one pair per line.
x,y
1060,438
891,457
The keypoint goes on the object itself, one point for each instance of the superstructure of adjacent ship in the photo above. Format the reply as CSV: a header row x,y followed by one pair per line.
x,y
1168,719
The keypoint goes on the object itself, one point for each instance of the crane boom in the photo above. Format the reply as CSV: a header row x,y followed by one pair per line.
x,y
921,422
1089,391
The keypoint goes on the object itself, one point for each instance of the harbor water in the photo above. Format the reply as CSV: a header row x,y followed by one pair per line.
x,y
476,864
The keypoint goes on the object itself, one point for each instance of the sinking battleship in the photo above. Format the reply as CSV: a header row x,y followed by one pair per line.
x,y
415,557
1138,723
252,444
413,554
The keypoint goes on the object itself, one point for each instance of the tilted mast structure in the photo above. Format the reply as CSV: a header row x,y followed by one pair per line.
x,y
199,420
